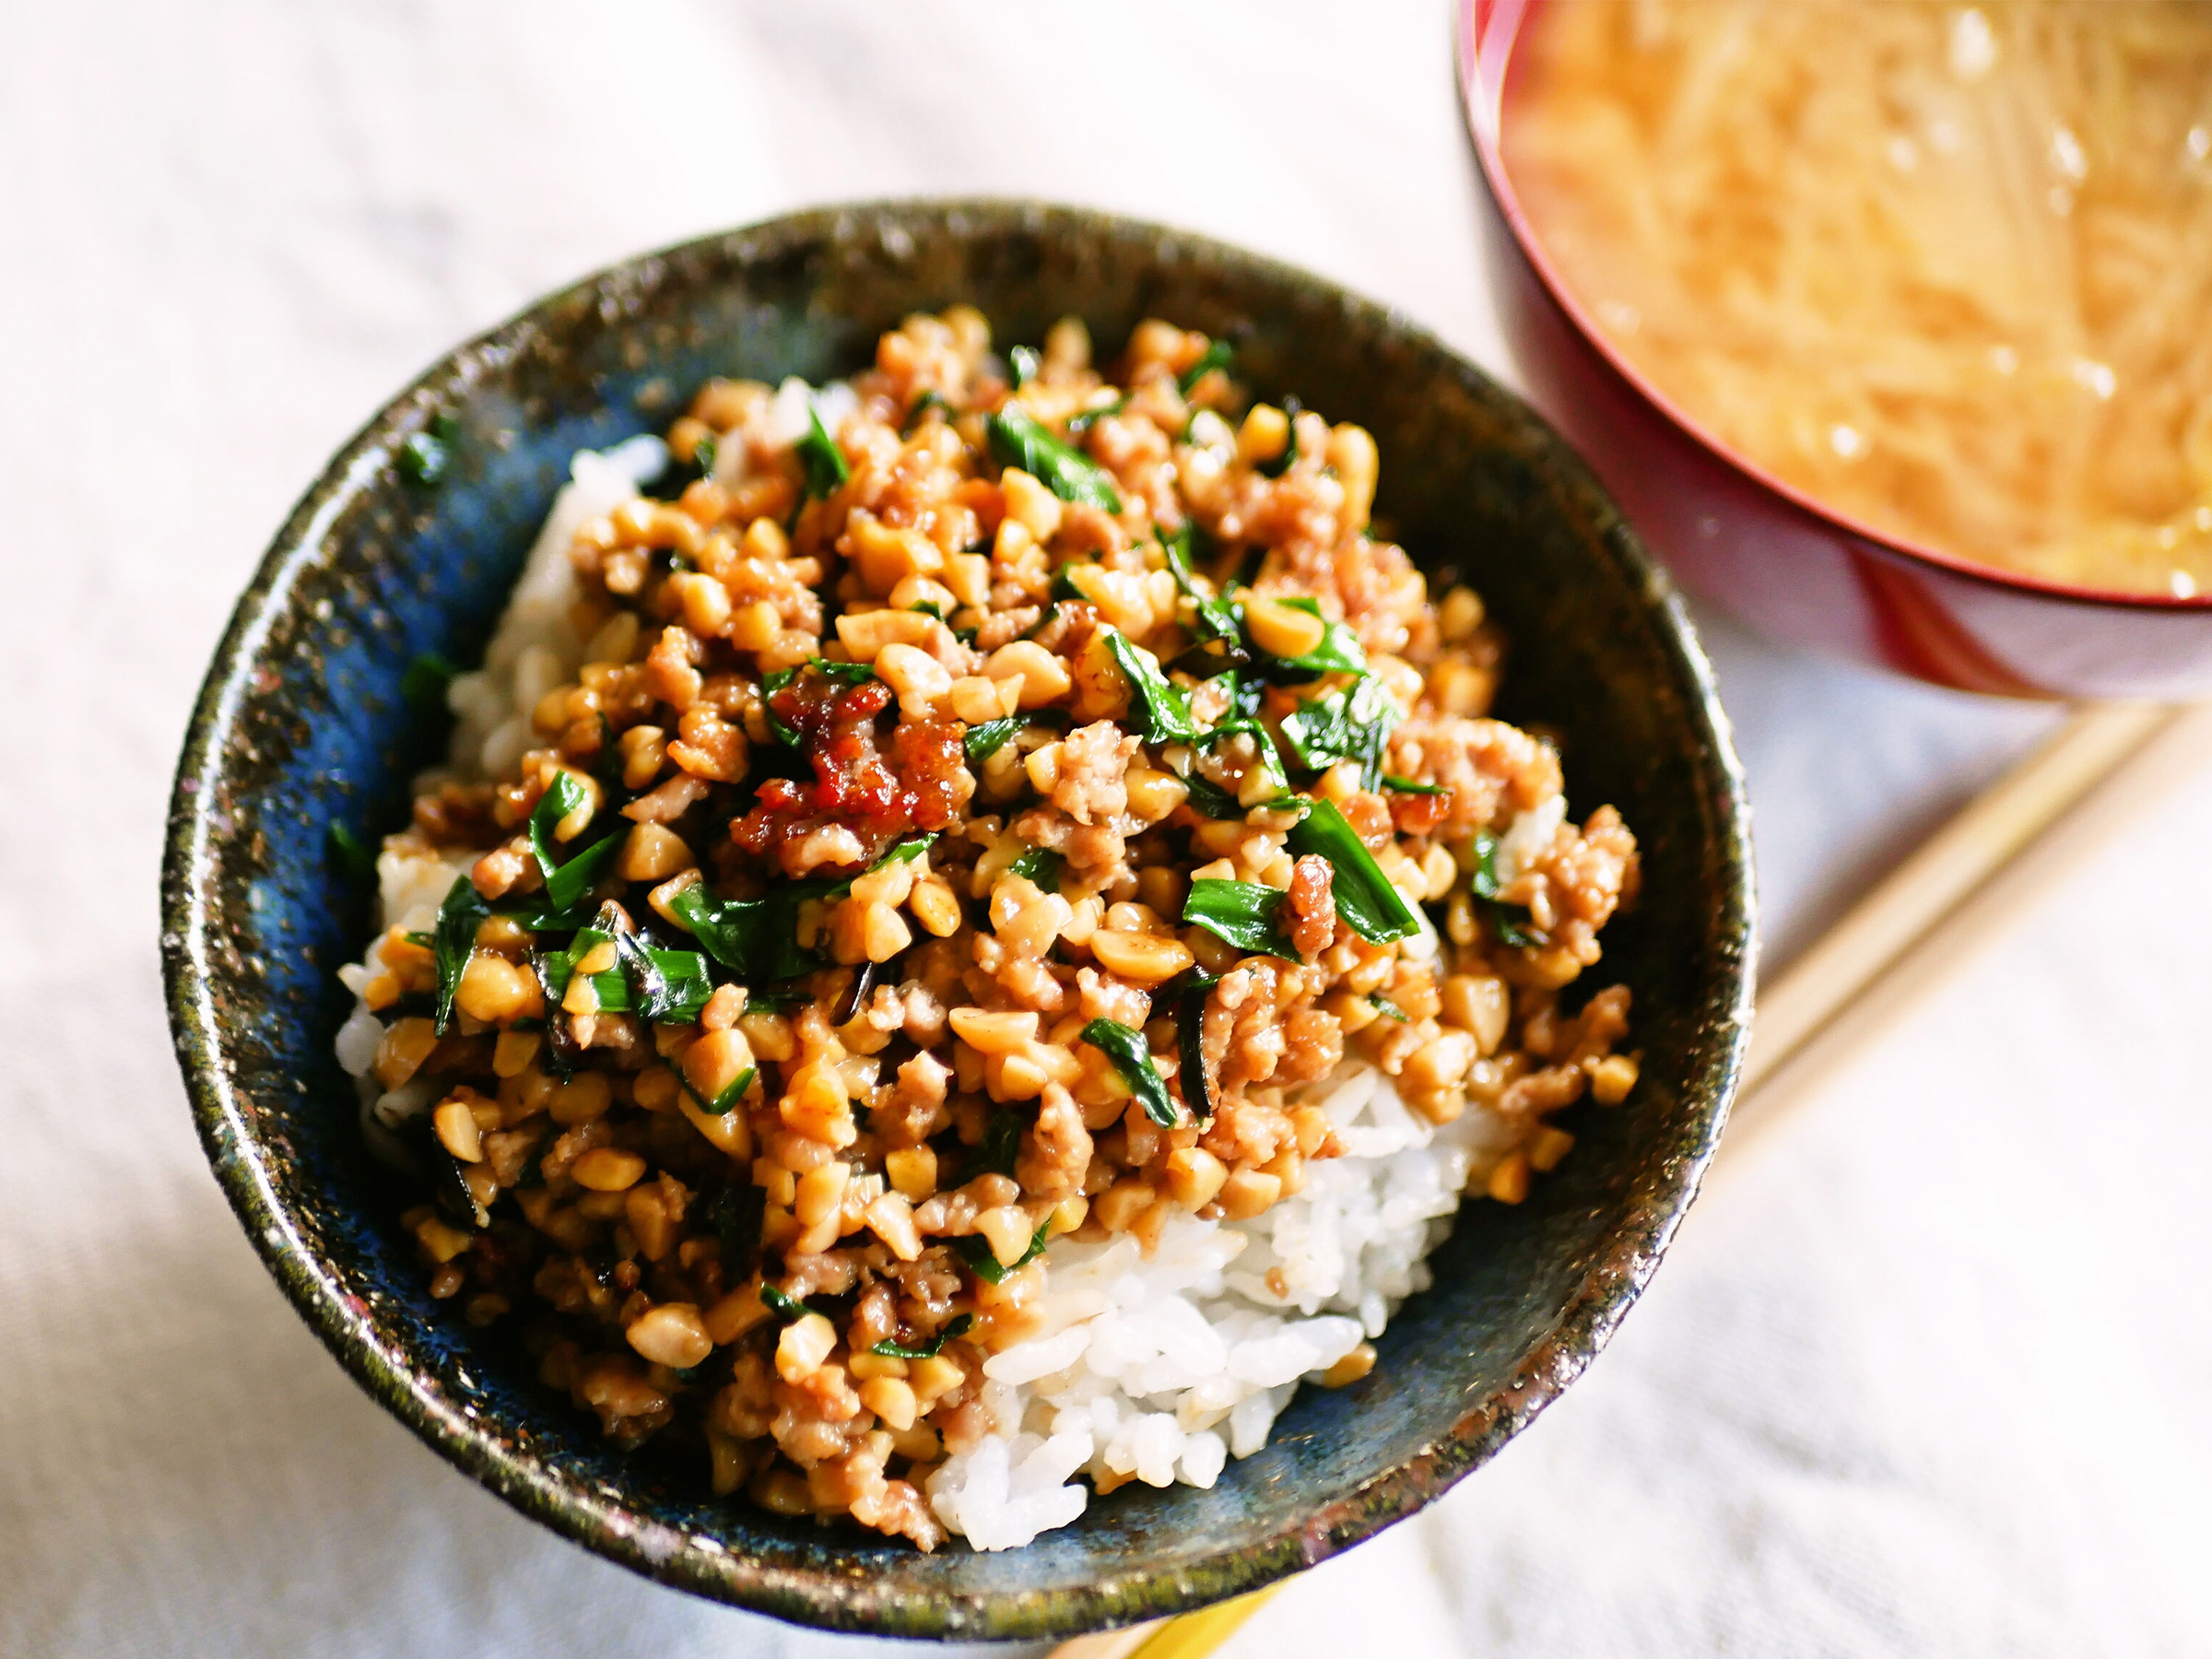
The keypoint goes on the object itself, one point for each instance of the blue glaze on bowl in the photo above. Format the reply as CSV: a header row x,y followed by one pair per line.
x,y
301,723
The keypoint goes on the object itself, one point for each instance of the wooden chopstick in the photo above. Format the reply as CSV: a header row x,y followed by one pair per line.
x,y
2120,753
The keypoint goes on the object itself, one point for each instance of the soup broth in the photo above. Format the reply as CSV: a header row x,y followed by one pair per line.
x,y
1946,269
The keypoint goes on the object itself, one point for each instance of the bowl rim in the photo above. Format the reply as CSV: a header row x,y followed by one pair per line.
x,y
594,1517
1487,31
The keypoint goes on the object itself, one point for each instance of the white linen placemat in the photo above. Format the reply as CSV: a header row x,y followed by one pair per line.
x,y
1930,1378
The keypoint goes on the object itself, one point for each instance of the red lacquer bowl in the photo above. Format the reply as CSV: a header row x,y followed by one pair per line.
x,y
1747,542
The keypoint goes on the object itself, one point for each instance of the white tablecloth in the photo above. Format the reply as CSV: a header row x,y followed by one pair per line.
x,y
1927,1376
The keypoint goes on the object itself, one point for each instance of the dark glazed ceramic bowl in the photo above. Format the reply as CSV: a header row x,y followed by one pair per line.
x,y
1761,550
301,722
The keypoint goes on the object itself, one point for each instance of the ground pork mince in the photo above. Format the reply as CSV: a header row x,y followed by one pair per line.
x,y
976,931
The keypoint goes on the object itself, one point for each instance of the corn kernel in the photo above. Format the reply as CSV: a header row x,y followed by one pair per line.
x,y
609,1170
912,1171
1611,1079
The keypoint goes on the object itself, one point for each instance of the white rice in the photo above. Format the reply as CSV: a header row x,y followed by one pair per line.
x,y
535,648
1160,1370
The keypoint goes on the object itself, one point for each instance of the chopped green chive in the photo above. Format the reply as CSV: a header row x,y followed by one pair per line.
x,y
962,1324
423,459
1351,724
1132,1059
984,741
931,399
788,1308
723,1104
353,856
1245,913
1374,909
1019,439
1082,420
1338,653
1161,707
1219,354
824,462
1218,619
976,1250
423,685
1190,1044
1512,920
452,940
1040,865
735,1213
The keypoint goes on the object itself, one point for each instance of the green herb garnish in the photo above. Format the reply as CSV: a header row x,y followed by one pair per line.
x,y
976,1250
1512,920
559,1049
931,399
1163,708
735,1213
984,741
667,986
1391,781
728,1102
1040,865
1019,439
1372,908
1082,420
787,1307
824,462
353,856
996,1153
1210,800
1382,1005
1245,913
1351,724
453,939
1024,362
566,884
905,850
1271,760
759,938
1190,1030
1246,691
425,456
1338,653
423,685
961,1323
1217,618
1219,354
1126,1049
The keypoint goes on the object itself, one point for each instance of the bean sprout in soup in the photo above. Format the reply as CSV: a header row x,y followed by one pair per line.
x,y
1946,269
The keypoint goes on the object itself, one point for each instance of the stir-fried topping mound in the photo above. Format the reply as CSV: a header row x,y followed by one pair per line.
x,y
978,803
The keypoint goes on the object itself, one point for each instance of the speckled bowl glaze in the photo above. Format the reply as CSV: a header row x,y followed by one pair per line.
x,y
301,722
